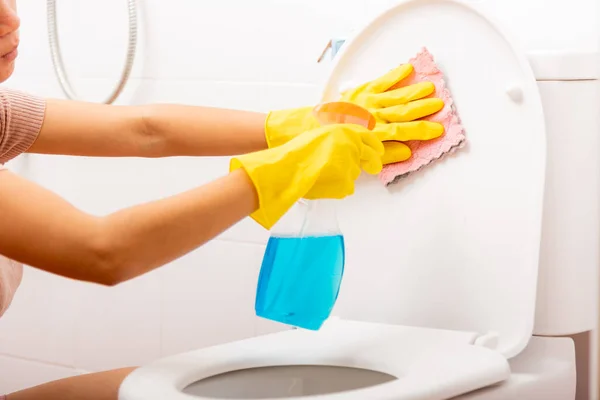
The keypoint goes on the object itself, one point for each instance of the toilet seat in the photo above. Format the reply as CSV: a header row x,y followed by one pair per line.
x,y
416,356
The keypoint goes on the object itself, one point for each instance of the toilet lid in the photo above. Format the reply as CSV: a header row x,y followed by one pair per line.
x,y
454,245
418,364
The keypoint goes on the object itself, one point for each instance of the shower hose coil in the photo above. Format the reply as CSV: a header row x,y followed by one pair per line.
x,y
57,61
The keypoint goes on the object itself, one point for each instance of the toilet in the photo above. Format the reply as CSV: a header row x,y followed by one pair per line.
x,y
464,279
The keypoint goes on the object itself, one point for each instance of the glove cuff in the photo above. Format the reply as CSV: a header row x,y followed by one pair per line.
x,y
284,125
272,183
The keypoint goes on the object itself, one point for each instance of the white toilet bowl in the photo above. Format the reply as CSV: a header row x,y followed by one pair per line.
x,y
443,265
373,360
355,360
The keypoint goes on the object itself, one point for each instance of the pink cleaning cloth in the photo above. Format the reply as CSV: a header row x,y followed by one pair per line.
x,y
425,152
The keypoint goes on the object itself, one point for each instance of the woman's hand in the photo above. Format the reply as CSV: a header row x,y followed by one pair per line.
x,y
396,107
321,163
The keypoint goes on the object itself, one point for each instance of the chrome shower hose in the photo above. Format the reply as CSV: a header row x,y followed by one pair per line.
x,y
59,67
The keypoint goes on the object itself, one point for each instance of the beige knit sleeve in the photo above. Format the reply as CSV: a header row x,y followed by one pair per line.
x,y
21,118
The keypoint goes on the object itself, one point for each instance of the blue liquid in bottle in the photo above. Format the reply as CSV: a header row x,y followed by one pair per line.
x,y
300,279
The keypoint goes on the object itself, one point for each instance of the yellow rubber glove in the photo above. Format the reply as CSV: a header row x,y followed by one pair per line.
x,y
396,112
322,163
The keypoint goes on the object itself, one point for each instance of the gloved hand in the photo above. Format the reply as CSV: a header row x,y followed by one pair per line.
x,y
322,163
396,112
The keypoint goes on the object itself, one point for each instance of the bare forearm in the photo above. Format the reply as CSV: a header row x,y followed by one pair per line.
x,y
150,235
159,130
48,233
202,131
93,386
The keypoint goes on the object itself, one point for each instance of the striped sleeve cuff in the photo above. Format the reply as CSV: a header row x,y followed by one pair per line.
x,y
21,118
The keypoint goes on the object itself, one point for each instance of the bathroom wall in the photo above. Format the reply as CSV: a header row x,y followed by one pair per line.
x,y
254,55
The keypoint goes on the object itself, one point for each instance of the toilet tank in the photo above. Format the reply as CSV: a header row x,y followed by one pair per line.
x,y
567,293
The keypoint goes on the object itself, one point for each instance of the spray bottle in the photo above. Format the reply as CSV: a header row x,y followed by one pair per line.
x,y
303,264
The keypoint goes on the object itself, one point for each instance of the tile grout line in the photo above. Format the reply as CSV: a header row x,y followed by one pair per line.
x,y
33,360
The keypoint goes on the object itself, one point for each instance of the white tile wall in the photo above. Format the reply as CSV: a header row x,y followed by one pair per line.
x,y
208,297
116,327
40,323
254,55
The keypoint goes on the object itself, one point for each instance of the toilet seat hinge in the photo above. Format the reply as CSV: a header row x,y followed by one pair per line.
x,y
488,340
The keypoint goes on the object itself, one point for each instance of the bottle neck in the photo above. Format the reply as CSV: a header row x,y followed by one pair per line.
x,y
321,218
309,218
